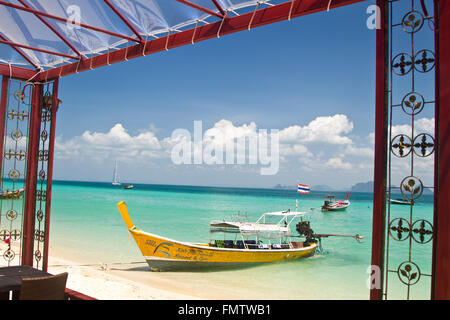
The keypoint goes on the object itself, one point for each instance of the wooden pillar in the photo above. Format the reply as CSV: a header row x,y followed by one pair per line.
x,y
381,132
441,241
31,177
51,150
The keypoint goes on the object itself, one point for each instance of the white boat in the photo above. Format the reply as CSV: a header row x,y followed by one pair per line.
x,y
402,201
332,205
116,181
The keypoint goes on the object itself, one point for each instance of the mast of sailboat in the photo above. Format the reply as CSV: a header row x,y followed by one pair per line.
x,y
116,175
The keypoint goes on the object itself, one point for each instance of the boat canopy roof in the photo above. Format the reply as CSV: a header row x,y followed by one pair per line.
x,y
260,228
248,229
284,213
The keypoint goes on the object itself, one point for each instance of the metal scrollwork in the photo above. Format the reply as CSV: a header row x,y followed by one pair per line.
x,y
44,135
412,22
17,135
422,231
424,61
9,255
19,95
40,215
423,145
39,236
411,188
41,195
401,231
38,255
410,65
4,234
11,215
14,174
408,273
43,155
16,234
413,103
402,64
42,175
401,145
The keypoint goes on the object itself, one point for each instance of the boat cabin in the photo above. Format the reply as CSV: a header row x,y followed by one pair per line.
x,y
271,231
329,200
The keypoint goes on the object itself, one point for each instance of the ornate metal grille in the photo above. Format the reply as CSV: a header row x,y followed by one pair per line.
x,y
41,212
408,262
14,167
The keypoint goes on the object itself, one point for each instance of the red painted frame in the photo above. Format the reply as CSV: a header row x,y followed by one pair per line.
x,y
51,154
51,16
129,25
26,57
381,149
231,25
31,177
441,240
14,44
17,72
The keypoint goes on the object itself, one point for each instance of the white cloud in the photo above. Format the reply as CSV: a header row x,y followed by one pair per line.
x,y
337,163
117,143
323,144
323,129
423,125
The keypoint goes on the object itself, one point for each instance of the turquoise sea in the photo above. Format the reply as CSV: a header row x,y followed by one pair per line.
x,y
86,226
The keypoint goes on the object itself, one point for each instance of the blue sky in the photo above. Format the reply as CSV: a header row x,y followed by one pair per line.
x,y
280,76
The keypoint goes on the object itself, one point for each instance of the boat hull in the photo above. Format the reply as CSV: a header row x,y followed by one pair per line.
x,y
338,207
401,202
164,254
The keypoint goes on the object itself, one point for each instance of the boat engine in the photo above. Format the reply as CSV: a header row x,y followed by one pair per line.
x,y
304,229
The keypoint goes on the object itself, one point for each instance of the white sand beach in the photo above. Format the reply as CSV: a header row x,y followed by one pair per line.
x,y
100,282
105,282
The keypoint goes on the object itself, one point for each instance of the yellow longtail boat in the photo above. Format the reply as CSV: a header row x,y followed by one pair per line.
x,y
163,254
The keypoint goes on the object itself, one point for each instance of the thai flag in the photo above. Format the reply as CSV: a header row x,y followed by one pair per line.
x,y
302,188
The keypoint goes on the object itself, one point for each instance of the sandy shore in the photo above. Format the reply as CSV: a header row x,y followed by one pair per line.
x,y
105,283
111,282
133,280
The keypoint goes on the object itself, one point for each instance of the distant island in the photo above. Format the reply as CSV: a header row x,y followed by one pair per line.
x,y
363,187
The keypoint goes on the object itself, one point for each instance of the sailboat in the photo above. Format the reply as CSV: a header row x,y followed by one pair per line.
x,y
116,181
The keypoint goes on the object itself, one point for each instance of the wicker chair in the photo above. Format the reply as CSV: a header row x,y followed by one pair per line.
x,y
44,288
